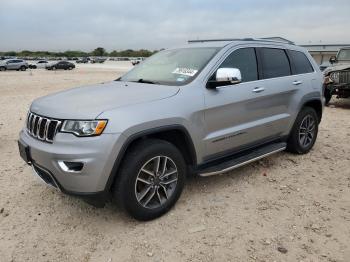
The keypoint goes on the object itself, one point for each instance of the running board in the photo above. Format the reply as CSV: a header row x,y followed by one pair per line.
x,y
243,159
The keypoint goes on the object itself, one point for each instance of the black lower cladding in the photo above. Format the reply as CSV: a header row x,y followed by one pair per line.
x,y
45,175
97,199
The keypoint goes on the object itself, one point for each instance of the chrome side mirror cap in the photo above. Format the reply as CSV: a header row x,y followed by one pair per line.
x,y
231,75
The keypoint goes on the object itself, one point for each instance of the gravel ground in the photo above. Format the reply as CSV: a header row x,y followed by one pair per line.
x,y
282,208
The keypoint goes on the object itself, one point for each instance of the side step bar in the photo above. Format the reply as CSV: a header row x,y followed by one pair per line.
x,y
243,159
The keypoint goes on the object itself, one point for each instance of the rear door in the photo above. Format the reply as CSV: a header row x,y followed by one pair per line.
x,y
281,89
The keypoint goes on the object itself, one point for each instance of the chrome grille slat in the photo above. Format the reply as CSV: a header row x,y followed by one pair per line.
x,y
344,77
42,128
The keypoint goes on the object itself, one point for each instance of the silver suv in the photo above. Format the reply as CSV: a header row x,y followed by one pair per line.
x,y
13,64
205,108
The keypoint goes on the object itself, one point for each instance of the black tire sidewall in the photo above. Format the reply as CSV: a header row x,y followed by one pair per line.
x,y
131,165
327,96
293,141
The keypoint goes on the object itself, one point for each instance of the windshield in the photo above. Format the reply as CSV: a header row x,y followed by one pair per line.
x,y
344,54
171,67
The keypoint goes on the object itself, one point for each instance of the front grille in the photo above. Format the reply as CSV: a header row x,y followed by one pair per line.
x,y
344,77
42,128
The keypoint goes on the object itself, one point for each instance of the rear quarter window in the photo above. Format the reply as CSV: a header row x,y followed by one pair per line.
x,y
299,62
274,63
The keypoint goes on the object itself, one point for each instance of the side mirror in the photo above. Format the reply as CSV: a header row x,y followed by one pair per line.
x,y
332,59
225,76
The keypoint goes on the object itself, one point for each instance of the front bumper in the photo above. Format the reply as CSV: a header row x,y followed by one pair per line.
x,y
98,155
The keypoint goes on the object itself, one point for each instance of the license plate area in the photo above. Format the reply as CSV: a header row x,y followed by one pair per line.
x,y
24,152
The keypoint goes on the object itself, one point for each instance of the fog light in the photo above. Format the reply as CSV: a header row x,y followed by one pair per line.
x,y
72,167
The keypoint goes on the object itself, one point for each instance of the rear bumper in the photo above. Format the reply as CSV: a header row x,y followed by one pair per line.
x,y
98,155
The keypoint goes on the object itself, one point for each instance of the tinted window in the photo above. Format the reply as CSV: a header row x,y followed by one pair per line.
x,y
245,60
300,63
274,62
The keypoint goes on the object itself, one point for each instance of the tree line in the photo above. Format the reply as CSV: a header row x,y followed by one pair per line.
x,y
100,51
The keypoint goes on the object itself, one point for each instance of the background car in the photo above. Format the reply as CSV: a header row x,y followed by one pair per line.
x,y
136,61
337,76
61,65
97,60
13,64
39,64
83,60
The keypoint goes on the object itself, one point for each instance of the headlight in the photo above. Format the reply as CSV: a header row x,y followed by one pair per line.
x,y
334,76
84,127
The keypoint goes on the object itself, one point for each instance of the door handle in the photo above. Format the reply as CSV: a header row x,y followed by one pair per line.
x,y
258,89
297,82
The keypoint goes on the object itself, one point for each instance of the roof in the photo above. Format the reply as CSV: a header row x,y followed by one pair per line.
x,y
226,40
325,47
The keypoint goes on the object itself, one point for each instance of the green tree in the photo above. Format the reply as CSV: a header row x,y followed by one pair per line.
x,y
99,51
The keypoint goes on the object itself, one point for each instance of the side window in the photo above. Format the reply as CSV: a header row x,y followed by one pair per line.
x,y
245,60
274,63
300,63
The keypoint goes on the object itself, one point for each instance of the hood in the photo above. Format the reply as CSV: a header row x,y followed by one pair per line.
x,y
337,67
90,101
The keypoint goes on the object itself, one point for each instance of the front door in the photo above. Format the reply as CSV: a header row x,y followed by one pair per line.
x,y
245,114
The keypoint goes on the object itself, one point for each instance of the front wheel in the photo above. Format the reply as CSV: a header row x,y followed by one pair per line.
x,y
327,96
23,68
2,68
304,133
151,179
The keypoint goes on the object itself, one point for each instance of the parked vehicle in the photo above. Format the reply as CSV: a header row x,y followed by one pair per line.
x,y
205,108
83,60
39,64
60,65
136,61
13,64
324,66
337,76
99,60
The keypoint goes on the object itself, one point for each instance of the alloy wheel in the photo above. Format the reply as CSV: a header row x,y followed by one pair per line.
x,y
156,182
307,131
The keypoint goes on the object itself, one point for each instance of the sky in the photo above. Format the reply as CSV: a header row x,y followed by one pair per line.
x,y
59,25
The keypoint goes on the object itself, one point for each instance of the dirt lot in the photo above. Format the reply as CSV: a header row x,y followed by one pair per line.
x,y
283,208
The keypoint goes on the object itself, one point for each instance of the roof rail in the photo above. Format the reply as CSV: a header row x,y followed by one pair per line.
x,y
264,39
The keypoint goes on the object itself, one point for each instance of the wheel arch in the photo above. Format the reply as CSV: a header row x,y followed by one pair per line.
x,y
315,104
175,134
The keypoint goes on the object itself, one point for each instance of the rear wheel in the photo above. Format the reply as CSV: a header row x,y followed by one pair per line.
x,y
304,132
53,68
23,68
151,179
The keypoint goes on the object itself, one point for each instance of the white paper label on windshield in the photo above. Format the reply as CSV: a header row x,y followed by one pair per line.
x,y
185,71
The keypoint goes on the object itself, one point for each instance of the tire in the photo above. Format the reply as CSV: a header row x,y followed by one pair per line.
x,y
306,123
144,195
23,68
328,96
53,68
2,68
70,68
